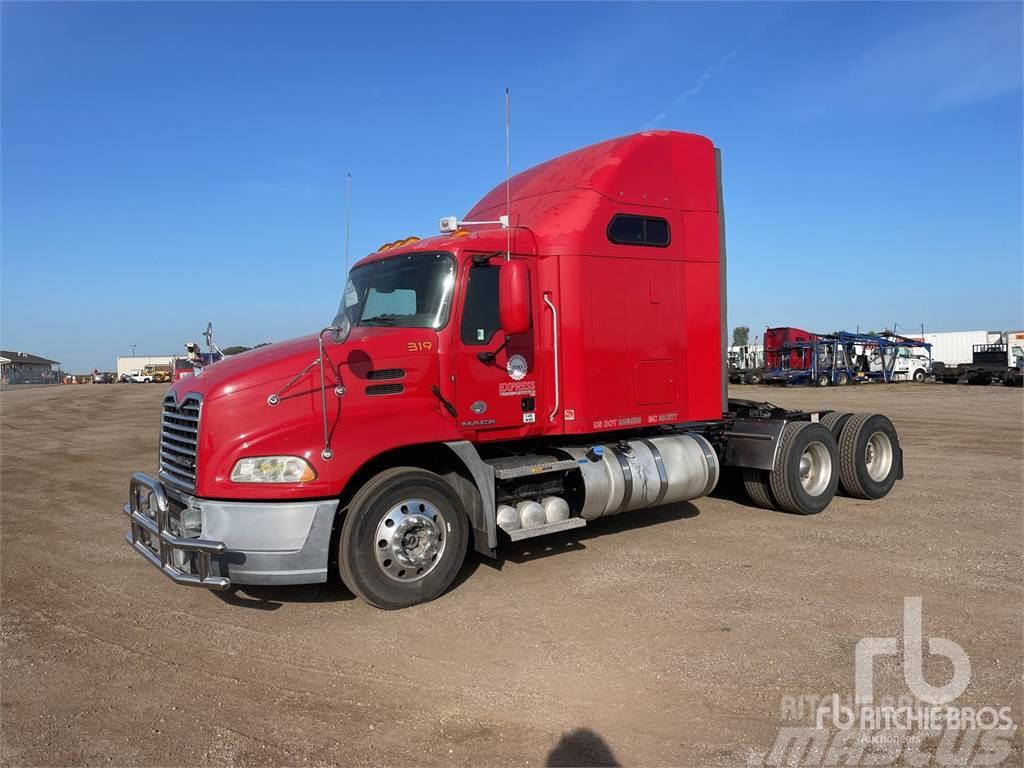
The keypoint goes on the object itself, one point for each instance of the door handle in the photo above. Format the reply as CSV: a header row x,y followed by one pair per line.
x,y
554,331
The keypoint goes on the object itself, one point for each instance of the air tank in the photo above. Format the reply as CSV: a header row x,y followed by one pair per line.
x,y
531,514
556,509
635,474
508,518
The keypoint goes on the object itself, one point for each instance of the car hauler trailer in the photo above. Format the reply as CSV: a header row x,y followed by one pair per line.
x,y
842,358
552,359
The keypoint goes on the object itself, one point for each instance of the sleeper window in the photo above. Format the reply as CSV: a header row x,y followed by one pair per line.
x,y
625,229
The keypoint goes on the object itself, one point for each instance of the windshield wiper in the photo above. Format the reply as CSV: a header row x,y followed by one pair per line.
x,y
379,320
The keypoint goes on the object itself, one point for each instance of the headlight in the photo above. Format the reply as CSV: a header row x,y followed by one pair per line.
x,y
272,469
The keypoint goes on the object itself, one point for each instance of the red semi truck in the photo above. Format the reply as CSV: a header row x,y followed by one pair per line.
x,y
554,358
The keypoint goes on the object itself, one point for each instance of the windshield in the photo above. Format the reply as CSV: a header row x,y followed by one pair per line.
x,y
412,290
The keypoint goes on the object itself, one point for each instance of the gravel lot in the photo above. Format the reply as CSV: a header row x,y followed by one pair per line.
x,y
666,637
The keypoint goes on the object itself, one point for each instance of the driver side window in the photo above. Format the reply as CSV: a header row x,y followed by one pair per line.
x,y
480,318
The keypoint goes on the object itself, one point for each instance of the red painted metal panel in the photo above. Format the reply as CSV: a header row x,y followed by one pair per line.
x,y
638,329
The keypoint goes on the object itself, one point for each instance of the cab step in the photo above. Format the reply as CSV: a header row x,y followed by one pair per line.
x,y
541,530
524,466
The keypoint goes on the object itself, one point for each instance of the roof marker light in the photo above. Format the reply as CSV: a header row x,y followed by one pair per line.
x,y
452,223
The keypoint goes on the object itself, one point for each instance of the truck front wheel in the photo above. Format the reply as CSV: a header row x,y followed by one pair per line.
x,y
404,538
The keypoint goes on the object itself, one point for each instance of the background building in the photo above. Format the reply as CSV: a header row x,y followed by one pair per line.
x,y
24,368
138,362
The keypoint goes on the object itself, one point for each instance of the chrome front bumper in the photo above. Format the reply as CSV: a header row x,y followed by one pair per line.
x,y
149,512
219,544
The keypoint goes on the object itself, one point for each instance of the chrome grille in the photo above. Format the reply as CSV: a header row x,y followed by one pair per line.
x,y
179,439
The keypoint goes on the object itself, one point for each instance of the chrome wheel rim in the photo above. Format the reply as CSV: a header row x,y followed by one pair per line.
x,y
878,456
815,468
410,540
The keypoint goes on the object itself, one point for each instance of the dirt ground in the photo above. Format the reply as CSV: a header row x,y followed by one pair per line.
x,y
666,637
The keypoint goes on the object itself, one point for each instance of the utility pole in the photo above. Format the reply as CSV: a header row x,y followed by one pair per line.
x,y
133,350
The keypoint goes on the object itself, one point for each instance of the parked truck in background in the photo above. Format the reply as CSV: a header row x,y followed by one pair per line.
x,y
136,376
998,362
160,374
746,363
554,358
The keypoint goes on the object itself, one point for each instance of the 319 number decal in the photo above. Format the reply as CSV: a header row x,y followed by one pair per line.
x,y
419,346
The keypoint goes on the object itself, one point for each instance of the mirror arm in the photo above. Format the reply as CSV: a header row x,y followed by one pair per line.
x,y
489,355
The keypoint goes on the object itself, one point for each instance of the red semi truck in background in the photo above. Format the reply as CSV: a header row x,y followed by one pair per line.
x,y
777,355
554,358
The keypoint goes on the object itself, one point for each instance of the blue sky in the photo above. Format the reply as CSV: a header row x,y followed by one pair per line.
x,y
168,164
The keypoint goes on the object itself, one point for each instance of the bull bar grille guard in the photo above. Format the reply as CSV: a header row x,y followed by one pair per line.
x,y
143,487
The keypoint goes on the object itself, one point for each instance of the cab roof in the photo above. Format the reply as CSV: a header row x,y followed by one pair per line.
x,y
657,169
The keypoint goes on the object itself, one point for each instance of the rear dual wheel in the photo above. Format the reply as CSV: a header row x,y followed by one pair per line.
x,y
869,455
866,463
834,422
404,538
806,474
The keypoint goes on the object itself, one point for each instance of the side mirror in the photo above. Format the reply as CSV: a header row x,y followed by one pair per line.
x,y
341,328
514,298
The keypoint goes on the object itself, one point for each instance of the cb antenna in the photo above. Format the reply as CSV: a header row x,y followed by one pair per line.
x,y
508,176
348,217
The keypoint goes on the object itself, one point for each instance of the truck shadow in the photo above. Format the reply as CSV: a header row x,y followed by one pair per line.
x,y
730,487
271,598
573,540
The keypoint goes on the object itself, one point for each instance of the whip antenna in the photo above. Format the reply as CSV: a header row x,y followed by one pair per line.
x,y
508,178
348,217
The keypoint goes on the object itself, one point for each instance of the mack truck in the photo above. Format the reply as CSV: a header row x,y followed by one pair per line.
x,y
554,357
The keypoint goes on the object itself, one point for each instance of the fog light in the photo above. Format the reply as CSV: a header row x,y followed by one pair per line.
x,y
191,522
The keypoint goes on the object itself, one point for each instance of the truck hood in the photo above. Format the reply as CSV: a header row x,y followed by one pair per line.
x,y
256,367
275,365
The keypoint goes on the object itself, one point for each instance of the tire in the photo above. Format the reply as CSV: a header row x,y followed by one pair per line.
x,y
842,379
866,439
919,376
834,422
792,489
823,380
755,482
754,377
424,506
